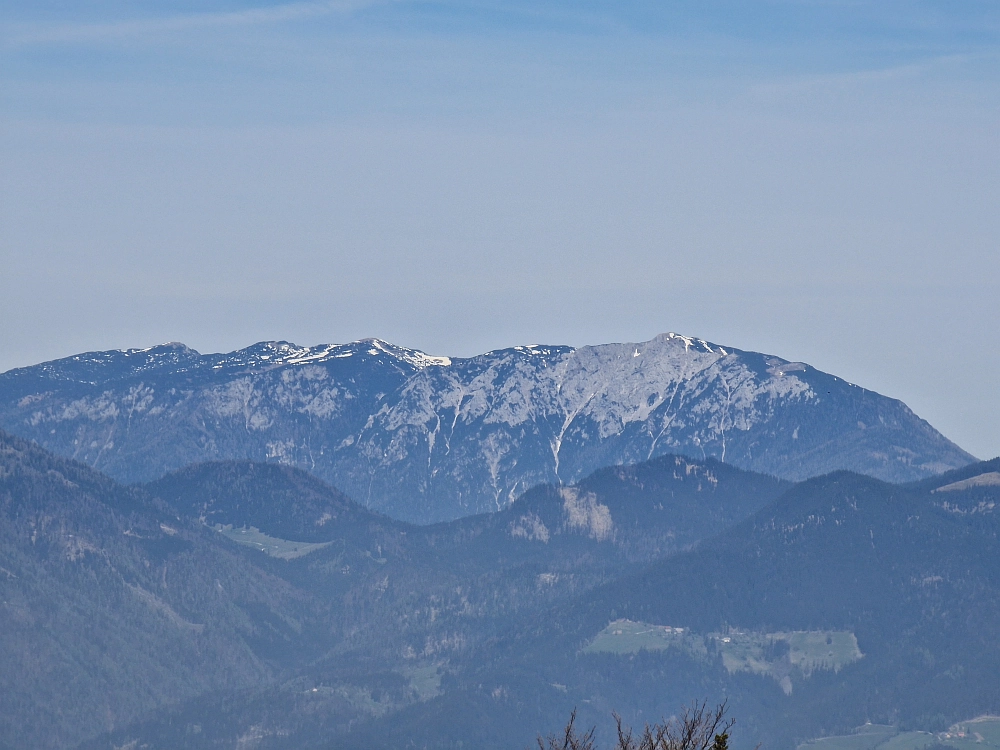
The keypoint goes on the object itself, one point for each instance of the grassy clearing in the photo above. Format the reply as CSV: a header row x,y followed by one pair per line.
x,y
425,681
820,649
781,655
867,737
628,637
975,734
284,549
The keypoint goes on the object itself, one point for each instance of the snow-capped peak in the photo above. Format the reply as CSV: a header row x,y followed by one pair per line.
x,y
692,343
414,357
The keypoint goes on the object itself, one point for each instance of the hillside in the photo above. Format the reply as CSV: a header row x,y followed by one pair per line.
x,y
844,600
232,603
120,602
905,581
114,606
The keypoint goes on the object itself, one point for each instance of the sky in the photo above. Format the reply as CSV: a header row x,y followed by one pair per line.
x,y
813,179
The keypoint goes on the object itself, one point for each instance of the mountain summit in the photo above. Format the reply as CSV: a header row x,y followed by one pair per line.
x,y
429,438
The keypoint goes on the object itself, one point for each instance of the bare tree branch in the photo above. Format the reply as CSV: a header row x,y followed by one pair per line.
x,y
696,728
570,739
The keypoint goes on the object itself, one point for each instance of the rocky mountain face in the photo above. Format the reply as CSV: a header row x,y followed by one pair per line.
x,y
426,438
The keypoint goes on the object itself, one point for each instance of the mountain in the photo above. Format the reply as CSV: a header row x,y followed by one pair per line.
x,y
281,501
236,588
459,579
637,512
847,600
835,551
113,606
841,600
427,439
237,604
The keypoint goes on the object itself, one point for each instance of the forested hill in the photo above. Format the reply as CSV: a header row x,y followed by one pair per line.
x,y
231,585
847,600
113,605
836,601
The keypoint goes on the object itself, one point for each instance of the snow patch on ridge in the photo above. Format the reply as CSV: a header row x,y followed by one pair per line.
x,y
412,356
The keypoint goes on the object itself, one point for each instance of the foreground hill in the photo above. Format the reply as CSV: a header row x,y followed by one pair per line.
x,y
113,606
231,589
843,600
846,600
233,604
431,438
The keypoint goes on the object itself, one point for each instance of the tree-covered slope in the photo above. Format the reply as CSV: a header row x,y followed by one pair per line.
x,y
113,606
141,612
438,598
279,500
910,573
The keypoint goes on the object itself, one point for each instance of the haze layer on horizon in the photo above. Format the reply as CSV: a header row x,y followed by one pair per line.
x,y
816,180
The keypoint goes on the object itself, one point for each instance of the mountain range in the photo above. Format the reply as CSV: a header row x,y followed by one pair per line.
x,y
121,600
426,439
239,604
363,546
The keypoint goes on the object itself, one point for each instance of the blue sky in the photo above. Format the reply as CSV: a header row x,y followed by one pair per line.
x,y
817,180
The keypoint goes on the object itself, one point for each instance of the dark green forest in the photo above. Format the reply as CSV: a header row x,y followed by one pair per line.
x,y
151,614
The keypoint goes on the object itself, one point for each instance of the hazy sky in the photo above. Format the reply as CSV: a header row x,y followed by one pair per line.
x,y
817,180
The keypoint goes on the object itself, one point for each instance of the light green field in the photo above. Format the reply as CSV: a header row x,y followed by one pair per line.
x,y
820,649
779,655
284,549
628,637
425,681
975,734
909,741
867,737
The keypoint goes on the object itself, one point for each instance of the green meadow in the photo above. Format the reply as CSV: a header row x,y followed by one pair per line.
x,y
284,549
982,733
781,655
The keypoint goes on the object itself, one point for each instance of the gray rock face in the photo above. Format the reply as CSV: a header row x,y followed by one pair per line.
x,y
431,438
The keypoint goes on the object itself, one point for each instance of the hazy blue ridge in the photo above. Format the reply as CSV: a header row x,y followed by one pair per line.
x,y
112,605
498,619
227,591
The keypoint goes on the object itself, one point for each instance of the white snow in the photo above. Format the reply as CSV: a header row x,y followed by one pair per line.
x,y
412,356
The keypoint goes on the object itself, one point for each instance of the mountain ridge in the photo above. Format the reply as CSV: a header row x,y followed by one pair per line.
x,y
428,439
477,629
119,602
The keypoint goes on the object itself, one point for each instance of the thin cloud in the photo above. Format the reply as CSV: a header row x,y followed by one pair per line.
x,y
853,79
188,22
